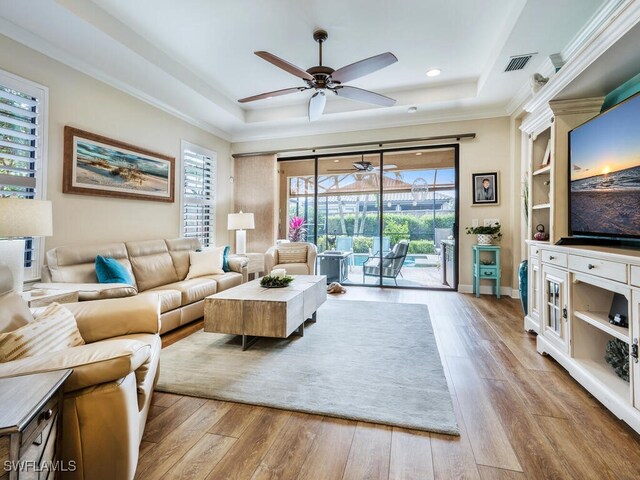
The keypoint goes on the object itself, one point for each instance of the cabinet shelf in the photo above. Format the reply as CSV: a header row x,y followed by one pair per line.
x,y
542,171
600,320
541,206
604,374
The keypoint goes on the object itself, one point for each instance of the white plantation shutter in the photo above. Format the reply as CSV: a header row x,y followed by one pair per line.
x,y
22,132
199,194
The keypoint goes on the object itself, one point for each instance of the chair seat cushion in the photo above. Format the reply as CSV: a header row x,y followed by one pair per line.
x,y
226,281
192,290
294,268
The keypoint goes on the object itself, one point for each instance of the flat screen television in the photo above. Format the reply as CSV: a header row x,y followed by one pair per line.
x,y
604,177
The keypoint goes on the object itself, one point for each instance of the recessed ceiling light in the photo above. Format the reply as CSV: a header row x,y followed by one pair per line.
x,y
336,161
434,72
412,109
418,153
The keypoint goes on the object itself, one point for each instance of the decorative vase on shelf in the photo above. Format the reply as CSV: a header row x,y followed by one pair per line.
x,y
485,239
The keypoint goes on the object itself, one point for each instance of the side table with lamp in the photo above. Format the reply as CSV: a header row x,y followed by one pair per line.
x,y
21,219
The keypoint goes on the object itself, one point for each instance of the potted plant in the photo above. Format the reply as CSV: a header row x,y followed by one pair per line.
x,y
485,234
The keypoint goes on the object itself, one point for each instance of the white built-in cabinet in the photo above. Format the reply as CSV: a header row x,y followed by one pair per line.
x,y
571,293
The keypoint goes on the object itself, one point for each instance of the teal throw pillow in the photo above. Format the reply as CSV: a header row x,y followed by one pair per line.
x,y
109,270
225,261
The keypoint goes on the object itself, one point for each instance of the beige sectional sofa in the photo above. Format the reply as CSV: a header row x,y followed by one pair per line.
x,y
159,267
108,395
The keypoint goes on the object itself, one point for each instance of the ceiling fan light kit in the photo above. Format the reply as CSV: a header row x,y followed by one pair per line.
x,y
323,79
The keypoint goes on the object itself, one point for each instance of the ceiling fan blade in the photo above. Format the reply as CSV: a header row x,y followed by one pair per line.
x,y
276,93
361,95
363,67
316,106
284,65
389,166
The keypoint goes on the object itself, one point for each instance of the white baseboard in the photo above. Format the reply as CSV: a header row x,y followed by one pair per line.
x,y
488,290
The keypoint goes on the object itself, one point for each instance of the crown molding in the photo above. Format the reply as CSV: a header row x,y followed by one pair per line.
x,y
536,122
605,35
524,93
40,45
580,105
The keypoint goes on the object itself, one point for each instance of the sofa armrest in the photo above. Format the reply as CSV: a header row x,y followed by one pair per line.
x,y
93,291
270,260
312,253
92,364
101,319
239,264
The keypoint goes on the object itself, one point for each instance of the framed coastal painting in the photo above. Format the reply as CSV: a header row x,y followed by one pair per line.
x,y
97,165
485,188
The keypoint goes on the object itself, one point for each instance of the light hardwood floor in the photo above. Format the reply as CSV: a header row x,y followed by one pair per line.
x,y
520,415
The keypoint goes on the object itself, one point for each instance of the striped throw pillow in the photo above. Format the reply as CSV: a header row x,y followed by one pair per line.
x,y
54,328
292,253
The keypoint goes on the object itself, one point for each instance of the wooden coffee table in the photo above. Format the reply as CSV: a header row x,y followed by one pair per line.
x,y
253,312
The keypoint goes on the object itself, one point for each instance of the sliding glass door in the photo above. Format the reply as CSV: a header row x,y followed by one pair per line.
x,y
383,218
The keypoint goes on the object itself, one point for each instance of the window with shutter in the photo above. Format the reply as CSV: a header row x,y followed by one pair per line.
x,y
22,148
198,194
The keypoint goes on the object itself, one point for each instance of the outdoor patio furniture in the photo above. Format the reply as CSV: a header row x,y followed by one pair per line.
x,y
386,246
345,244
440,234
391,263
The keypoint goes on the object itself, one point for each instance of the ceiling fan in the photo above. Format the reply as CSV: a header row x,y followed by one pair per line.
x,y
324,79
363,166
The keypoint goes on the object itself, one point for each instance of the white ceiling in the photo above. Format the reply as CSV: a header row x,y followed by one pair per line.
x,y
195,58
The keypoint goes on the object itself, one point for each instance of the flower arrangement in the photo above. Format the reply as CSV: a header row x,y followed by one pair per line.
x,y
486,233
297,232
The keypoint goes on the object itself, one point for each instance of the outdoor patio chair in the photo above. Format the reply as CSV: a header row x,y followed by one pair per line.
x,y
440,234
345,244
391,263
386,246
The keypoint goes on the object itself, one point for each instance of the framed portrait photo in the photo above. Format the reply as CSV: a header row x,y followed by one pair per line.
x,y
97,165
486,188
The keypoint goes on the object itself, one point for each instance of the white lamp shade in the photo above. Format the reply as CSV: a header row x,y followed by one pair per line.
x,y
240,221
25,218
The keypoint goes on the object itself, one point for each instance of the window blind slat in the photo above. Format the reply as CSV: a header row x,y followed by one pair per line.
x,y
17,180
18,111
198,193
14,133
4,118
17,146
17,98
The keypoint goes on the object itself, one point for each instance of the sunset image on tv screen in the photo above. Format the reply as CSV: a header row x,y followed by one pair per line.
x,y
605,173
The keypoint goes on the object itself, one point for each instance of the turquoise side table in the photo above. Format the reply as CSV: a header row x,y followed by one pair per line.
x,y
486,272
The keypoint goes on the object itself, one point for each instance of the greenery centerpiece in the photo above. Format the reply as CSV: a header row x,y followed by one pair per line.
x,y
486,234
273,281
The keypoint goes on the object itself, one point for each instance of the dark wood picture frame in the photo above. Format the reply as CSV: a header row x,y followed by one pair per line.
x,y
69,170
494,185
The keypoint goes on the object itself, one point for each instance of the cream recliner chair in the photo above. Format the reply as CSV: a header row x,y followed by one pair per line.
x,y
108,395
280,256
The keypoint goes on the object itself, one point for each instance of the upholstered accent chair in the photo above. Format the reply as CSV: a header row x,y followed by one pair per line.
x,y
391,263
297,258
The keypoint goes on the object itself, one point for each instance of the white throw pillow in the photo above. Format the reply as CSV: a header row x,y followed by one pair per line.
x,y
207,262
54,328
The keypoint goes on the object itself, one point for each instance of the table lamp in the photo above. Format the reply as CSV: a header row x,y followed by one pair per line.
x,y
240,222
19,219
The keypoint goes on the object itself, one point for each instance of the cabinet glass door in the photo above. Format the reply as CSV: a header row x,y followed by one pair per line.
x,y
554,314
555,307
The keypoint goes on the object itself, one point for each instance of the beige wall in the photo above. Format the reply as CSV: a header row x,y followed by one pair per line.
x,y
489,151
80,101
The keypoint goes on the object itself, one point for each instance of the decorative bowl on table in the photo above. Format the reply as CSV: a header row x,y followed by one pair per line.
x,y
273,281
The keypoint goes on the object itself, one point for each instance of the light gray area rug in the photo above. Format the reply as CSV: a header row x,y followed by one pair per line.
x,y
371,361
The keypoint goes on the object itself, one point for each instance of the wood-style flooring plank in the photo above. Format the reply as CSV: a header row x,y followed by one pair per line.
x,y
179,441
580,458
328,455
171,418
369,455
410,455
236,420
155,410
145,447
452,456
490,473
162,399
247,452
198,462
489,442
284,459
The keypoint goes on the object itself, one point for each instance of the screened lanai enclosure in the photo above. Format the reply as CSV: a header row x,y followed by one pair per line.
x,y
378,218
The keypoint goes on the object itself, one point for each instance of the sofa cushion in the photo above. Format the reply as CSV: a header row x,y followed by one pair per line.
x,y
179,249
54,328
13,312
207,262
170,299
294,268
152,265
76,263
109,270
292,253
226,280
194,289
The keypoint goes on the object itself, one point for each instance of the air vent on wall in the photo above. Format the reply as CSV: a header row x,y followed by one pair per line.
x,y
518,62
